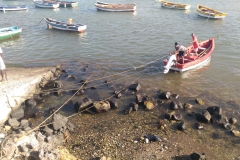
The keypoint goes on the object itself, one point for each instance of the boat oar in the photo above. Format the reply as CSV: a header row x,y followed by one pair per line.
x,y
39,22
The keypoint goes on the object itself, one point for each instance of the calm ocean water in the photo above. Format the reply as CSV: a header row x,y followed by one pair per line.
x,y
120,41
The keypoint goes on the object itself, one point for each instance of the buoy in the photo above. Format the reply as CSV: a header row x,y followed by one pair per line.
x,y
69,20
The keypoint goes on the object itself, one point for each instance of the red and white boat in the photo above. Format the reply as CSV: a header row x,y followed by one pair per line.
x,y
191,60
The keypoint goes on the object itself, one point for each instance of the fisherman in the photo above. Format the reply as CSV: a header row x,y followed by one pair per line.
x,y
180,52
195,43
2,66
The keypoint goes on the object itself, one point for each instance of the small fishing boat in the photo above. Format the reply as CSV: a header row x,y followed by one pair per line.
x,y
115,7
66,26
209,12
46,4
191,60
13,8
174,5
9,32
66,4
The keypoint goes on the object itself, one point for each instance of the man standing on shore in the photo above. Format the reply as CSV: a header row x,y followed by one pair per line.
x,y
2,66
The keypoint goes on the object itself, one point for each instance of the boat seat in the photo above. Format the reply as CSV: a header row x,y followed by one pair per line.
x,y
201,48
191,57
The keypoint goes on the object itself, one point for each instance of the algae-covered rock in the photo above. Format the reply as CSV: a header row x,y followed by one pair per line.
x,y
199,101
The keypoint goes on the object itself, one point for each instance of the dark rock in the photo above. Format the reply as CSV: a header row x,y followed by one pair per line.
x,y
59,121
101,106
218,119
169,115
82,105
181,126
199,126
204,117
23,148
83,81
18,114
139,98
175,105
177,117
175,96
232,120
113,104
227,126
118,95
199,101
128,111
13,122
197,156
57,84
134,106
214,110
165,95
52,110
38,98
135,87
152,138
30,103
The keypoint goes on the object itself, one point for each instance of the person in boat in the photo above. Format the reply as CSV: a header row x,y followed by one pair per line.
x,y
2,65
195,43
173,57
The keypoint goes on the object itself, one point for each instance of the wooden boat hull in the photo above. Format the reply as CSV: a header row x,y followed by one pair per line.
x,y
13,8
45,4
172,5
209,12
191,62
61,25
115,7
10,32
67,4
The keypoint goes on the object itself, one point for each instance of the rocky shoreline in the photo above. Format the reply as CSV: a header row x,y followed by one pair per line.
x,y
160,131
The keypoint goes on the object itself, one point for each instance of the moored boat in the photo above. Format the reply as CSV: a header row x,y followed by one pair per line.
x,y
9,32
115,7
13,8
209,12
67,4
46,4
66,26
191,60
174,5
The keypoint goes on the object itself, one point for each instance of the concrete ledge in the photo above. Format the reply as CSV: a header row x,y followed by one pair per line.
x,y
21,85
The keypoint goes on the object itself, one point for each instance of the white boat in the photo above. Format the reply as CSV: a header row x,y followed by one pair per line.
x,y
209,12
13,8
46,4
115,7
174,5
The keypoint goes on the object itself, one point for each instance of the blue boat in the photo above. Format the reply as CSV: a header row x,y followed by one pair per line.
x,y
46,4
9,32
66,26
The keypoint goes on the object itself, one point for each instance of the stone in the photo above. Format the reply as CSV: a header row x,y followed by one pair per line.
x,y
165,95
203,117
181,126
18,114
113,104
149,105
134,106
135,87
232,120
199,101
197,156
82,104
59,121
214,110
13,122
30,103
139,98
101,106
